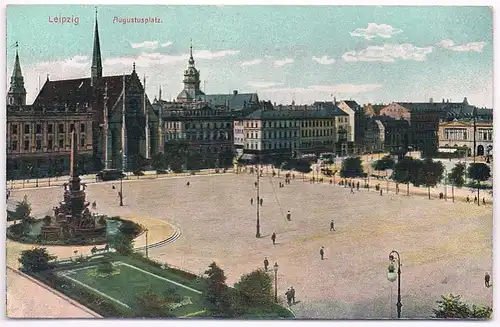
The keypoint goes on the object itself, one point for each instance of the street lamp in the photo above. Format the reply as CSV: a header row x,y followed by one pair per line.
x,y
147,230
257,234
276,282
392,276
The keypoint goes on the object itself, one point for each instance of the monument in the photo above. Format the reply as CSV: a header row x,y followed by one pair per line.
x,y
72,216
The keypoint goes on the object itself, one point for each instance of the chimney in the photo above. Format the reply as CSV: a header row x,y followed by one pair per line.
x,y
443,100
235,92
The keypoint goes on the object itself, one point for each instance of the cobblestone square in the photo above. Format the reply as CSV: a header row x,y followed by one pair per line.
x,y
445,247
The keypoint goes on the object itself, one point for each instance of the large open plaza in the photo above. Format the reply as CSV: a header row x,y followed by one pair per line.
x,y
445,247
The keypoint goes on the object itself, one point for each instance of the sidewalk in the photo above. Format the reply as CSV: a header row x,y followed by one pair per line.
x,y
158,231
90,179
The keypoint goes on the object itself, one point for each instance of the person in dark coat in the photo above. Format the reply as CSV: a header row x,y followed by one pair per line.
x,y
467,199
273,238
266,264
487,279
288,297
475,199
357,186
289,216
292,294
188,183
251,201
332,226
322,252
261,201
484,201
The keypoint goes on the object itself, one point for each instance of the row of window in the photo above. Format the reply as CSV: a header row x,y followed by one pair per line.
x,y
288,145
198,125
295,123
199,136
38,144
50,128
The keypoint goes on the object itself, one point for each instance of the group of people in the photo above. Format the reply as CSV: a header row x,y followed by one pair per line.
x,y
290,296
259,200
475,200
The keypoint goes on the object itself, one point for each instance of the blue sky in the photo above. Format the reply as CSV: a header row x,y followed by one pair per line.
x,y
370,54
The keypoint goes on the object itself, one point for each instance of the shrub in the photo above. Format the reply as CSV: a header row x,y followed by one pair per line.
x,y
36,259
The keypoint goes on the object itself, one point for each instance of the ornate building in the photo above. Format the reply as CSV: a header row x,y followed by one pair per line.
x,y
124,124
460,134
39,136
191,91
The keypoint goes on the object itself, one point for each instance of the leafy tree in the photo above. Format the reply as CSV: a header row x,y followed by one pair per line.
x,y
479,172
23,210
352,167
159,161
432,173
456,178
452,307
122,243
151,305
384,164
402,172
255,288
36,259
217,295
416,172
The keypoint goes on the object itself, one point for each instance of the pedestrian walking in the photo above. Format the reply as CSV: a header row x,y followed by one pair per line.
x,y
255,184
467,199
261,201
292,294
487,279
322,252
484,201
188,183
357,186
289,216
251,201
288,297
332,226
380,192
273,238
266,263
475,199
352,190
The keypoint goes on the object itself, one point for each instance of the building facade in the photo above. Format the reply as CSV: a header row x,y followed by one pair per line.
x,y
351,108
120,125
288,131
460,134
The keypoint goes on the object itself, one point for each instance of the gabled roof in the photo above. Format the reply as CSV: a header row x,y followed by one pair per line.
x,y
352,104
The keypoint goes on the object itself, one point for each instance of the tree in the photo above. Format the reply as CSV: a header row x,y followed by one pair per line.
x,y
23,211
122,243
432,173
159,161
217,294
451,307
479,172
352,167
456,178
36,259
402,172
385,164
150,304
255,288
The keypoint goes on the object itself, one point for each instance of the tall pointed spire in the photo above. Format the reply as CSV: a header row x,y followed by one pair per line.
x,y
96,69
191,59
17,91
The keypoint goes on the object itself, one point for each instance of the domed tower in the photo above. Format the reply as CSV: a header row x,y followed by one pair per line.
x,y
191,82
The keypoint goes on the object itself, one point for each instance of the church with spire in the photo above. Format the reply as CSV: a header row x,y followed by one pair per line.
x,y
120,129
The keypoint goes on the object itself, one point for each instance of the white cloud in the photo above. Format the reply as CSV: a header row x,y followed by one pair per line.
x,y
207,54
472,46
145,44
307,95
263,85
373,30
388,53
167,44
283,62
324,60
251,62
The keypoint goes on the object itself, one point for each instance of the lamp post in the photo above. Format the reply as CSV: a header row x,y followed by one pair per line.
x,y
257,234
121,192
147,230
445,184
392,276
276,282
